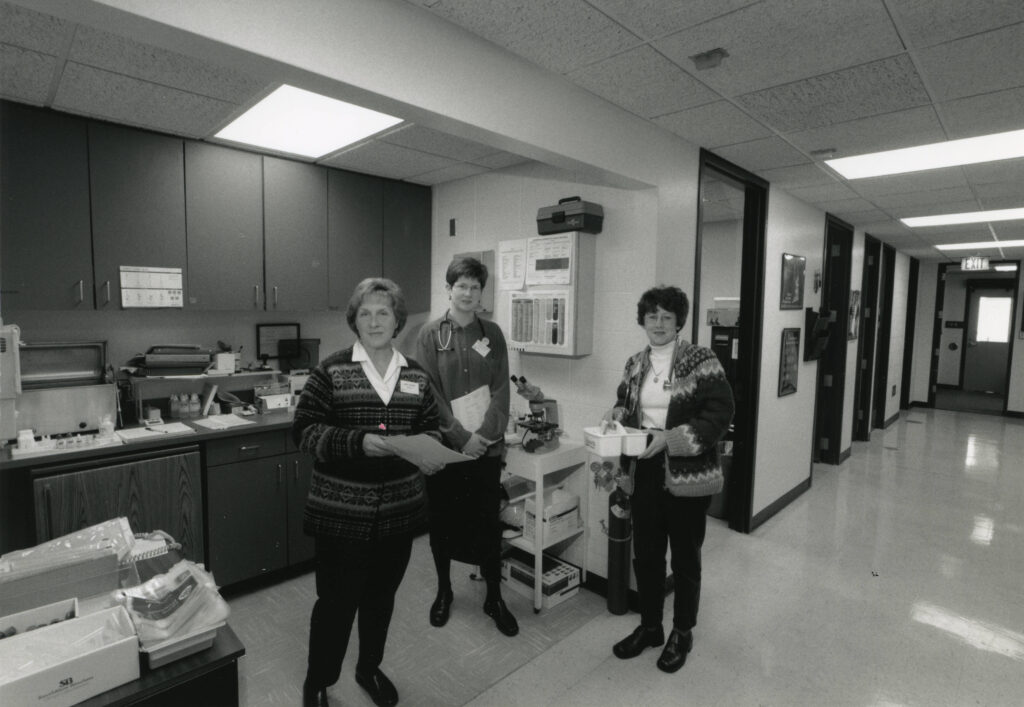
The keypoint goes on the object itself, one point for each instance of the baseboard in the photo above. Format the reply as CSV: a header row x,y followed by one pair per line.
x,y
891,420
1013,413
844,455
920,404
780,503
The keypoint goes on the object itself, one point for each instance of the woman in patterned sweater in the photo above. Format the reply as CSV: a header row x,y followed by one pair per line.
x,y
364,502
678,392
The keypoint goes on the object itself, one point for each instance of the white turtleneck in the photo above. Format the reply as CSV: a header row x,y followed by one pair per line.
x,y
654,397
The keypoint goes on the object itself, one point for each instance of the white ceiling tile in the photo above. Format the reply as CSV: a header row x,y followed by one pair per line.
x,y
994,172
388,160
448,174
927,22
858,218
1014,201
914,199
880,132
987,62
882,86
562,35
1007,230
125,56
656,18
771,43
499,160
1001,190
435,142
949,207
34,30
643,82
767,153
886,227
824,192
121,99
988,113
803,175
845,206
910,182
26,75
714,124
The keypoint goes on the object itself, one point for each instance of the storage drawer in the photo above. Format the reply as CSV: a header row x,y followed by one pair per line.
x,y
252,446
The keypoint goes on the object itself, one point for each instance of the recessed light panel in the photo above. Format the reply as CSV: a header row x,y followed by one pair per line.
x,y
301,122
971,150
980,245
968,217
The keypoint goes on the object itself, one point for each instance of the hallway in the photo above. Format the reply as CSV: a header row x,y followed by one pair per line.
x,y
894,581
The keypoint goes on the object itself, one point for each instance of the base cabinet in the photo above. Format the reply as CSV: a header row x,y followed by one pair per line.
x,y
161,492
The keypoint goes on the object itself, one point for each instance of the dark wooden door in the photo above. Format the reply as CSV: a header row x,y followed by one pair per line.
x,y
299,467
866,341
44,211
354,226
247,518
887,284
138,205
224,199
158,493
406,241
295,235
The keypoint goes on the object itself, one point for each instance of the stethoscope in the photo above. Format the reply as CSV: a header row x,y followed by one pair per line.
x,y
443,345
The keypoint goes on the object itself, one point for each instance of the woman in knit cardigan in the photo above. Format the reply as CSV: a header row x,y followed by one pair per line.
x,y
364,502
678,392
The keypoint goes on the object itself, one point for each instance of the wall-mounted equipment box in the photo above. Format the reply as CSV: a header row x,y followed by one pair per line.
x,y
554,312
570,214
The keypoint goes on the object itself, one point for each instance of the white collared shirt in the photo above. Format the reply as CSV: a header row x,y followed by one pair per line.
x,y
384,385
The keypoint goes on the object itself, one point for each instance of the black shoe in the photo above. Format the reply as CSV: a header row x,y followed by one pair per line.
x,y
503,618
313,697
441,609
381,690
643,637
673,656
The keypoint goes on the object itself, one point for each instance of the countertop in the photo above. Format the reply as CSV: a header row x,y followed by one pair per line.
x,y
274,420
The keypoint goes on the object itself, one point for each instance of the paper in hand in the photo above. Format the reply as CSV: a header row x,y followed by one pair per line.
x,y
420,449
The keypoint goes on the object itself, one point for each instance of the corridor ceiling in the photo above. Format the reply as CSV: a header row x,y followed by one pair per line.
x,y
802,81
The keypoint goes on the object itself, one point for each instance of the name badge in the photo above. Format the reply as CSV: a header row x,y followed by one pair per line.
x,y
481,347
410,387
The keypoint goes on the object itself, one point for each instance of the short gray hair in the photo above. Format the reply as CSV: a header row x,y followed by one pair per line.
x,y
373,285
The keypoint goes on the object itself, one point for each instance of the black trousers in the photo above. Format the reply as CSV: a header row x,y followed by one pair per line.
x,y
661,520
463,500
353,576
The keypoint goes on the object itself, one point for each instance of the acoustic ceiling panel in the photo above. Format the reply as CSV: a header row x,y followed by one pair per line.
x,y
34,30
927,22
424,139
988,113
765,153
376,157
714,124
981,63
651,19
26,75
880,132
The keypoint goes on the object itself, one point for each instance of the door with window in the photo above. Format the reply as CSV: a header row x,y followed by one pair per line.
x,y
989,322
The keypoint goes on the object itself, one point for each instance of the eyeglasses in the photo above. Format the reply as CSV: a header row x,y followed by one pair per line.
x,y
463,287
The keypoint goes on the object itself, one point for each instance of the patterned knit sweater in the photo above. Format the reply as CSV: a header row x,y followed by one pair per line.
x,y
699,413
352,495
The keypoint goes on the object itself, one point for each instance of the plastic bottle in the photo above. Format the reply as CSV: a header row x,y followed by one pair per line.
x,y
175,407
194,406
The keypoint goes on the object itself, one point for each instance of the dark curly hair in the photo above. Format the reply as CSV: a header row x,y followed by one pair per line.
x,y
466,267
669,298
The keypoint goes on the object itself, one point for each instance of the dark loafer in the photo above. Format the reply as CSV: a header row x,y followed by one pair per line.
x,y
503,618
680,643
643,637
381,690
314,697
441,609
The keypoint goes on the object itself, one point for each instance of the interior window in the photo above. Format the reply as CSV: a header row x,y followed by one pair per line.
x,y
994,319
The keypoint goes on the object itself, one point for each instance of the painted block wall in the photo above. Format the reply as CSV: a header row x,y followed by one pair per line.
x,y
927,274
897,335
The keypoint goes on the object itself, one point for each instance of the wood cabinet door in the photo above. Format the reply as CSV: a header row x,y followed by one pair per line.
x,y
295,235
44,210
406,241
300,468
247,518
354,228
224,200
159,493
138,205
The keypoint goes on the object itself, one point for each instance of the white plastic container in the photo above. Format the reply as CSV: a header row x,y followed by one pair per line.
x,y
615,440
634,441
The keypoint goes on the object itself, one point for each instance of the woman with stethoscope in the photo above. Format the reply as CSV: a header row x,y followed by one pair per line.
x,y
467,361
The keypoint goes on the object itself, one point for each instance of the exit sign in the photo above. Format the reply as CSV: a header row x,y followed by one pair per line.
x,y
974,262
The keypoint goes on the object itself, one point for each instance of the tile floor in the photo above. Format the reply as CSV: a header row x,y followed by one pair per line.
x,y
894,581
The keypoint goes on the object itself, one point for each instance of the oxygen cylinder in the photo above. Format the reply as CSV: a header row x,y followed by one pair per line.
x,y
619,537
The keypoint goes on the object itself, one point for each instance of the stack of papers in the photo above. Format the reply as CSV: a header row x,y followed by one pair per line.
x,y
221,422
134,434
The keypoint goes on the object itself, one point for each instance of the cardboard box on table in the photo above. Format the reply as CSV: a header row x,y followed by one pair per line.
x,y
94,573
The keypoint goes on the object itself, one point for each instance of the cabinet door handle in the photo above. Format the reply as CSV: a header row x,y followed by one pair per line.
x,y
296,463
106,288
256,298
280,475
275,295
248,449
81,291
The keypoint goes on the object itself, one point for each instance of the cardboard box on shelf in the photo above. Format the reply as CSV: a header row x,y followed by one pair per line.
x,y
31,619
559,521
559,579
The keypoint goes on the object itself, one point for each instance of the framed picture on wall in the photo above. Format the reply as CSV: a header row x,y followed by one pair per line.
x,y
791,294
854,314
789,361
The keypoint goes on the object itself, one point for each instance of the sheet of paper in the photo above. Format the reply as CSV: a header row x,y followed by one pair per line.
x,y
470,409
511,264
172,428
423,448
221,422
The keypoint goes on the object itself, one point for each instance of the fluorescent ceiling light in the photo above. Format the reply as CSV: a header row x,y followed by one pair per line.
x,y
971,150
968,217
303,123
1005,268
981,245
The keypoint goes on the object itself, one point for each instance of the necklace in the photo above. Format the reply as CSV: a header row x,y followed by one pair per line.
x,y
657,373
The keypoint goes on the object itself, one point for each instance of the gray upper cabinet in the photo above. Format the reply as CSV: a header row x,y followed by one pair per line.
x,y
44,211
224,195
354,225
138,205
406,241
294,235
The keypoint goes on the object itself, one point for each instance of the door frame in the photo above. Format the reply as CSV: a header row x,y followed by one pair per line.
x,y
885,296
740,490
864,375
908,336
982,284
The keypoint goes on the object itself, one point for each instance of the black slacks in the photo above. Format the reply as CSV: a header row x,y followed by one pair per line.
x,y
661,520
353,576
463,501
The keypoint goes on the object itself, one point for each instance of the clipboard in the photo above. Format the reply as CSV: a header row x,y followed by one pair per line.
x,y
471,408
